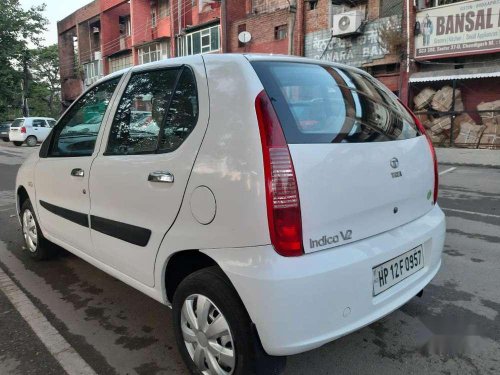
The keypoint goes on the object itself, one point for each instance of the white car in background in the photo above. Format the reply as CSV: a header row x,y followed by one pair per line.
x,y
275,203
31,130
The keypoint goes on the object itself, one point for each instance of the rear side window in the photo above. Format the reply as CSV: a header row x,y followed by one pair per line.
x,y
38,123
17,123
322,104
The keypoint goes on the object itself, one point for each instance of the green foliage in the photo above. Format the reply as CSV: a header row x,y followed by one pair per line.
x,y
19,29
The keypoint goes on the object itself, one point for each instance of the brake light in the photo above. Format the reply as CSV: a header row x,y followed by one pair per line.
x,y
23,129
282,196
422,130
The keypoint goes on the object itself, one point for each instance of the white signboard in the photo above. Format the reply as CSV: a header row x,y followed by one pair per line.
x,y
463,28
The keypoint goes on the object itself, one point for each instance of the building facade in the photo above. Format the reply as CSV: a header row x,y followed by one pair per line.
x,y
408,45
108,35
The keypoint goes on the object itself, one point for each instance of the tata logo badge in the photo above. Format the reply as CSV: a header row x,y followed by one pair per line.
x,y
394,163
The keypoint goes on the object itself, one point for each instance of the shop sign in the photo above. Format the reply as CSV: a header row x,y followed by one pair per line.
x,y
354,51
463,28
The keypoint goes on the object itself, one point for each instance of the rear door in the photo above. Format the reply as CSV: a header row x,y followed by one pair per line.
x,y
362,167
138,181
40,129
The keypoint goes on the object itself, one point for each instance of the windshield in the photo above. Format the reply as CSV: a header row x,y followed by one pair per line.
x,y
322,104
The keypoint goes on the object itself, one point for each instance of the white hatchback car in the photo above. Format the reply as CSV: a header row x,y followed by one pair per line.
x,y
31,130
276,203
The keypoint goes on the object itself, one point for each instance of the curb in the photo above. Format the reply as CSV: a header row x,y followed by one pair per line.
x,y
489,166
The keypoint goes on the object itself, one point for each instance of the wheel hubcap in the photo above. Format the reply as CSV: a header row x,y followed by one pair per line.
x,y
29,231
207,336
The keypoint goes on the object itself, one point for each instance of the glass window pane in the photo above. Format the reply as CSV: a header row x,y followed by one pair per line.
x,y
182,114
196,43
76,132
141,112
214,38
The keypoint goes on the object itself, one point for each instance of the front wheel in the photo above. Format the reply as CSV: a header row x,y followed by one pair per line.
x,y
38,247
31,141
17,143
5,139
213,330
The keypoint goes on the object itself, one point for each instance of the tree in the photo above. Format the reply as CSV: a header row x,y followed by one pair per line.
x,y
45,70
18,29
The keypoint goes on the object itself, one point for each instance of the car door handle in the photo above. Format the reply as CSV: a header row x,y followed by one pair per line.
x,y
77,172
161,176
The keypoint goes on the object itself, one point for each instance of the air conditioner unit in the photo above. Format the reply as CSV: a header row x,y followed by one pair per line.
x,y
347,23
97,55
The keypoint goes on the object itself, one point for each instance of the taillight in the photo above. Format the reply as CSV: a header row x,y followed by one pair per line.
x,y
282,196
422,130
23,129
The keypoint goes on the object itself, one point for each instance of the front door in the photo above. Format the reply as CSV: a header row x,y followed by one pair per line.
x,y
138,180
62,173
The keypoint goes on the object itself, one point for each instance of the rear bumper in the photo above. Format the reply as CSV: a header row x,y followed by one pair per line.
x,y
301,303
17,136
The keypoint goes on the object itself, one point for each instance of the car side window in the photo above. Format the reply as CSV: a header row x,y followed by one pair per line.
x,y
182,114
141,112
38,123
76,132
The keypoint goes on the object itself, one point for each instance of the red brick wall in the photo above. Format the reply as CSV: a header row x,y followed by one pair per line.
x,y
317,19
140,13
110,29
84,13
261,26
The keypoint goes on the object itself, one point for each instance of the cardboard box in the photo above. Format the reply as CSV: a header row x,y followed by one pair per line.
x,y
423,98
469,135
441,124
443,99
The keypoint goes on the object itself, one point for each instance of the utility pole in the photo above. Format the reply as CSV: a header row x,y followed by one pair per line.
x,y
291,24
25,86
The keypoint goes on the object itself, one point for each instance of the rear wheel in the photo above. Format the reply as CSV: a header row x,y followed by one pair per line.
x,y
31,141
213,330
36,244
17,143
5,139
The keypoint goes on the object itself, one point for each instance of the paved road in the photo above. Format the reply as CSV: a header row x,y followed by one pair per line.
x,y
453,328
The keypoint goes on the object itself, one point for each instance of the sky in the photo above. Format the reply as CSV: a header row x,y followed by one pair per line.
x,y
55,11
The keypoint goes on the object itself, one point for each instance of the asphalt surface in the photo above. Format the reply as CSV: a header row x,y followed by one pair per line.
x,y
453,328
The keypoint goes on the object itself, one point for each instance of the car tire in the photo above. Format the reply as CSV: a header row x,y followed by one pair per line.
x,y
5,139
209,347
31,141
37,245
18,143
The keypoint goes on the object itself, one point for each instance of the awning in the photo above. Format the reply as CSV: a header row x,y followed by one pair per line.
x,y
450,74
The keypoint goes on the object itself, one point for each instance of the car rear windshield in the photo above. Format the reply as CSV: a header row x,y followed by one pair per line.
x,y
324,104
17,123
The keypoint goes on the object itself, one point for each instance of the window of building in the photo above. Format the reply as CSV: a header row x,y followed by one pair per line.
x,y
313,4
164,8
391,8
154,52
92,71
125,26
149,53
241,28
119,63
201,41
154,17
280,32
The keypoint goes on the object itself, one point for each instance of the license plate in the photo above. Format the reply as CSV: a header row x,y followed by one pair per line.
x,y
397,269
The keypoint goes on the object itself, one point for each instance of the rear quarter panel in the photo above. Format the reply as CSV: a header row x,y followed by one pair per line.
x,y
229,163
